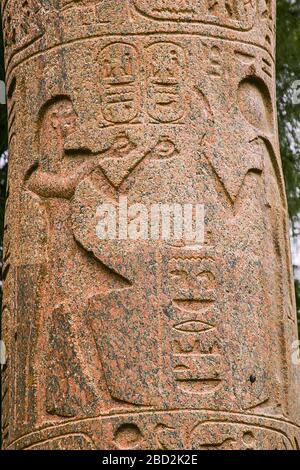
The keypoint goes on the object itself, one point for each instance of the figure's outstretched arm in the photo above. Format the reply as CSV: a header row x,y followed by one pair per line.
x,y
47,184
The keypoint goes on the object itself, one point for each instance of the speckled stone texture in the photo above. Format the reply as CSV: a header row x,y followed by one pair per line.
x,y
123,344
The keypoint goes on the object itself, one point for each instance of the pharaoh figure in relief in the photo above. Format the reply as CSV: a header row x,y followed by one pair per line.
x,y
146,341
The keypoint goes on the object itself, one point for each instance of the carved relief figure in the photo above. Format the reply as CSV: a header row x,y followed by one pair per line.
x,y
256,106
54,178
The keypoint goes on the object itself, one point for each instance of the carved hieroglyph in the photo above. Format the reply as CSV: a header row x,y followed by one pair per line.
x,y
146,344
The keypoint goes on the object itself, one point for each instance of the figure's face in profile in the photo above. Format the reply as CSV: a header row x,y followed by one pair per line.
x,y
68,120
64,119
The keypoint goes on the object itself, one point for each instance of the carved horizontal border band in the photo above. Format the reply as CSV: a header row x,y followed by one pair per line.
x,y
39,26
193,429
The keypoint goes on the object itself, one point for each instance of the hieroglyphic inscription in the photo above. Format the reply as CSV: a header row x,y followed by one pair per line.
x,y
22,23
165,87
166,431
197,362
78,13
127,436
233,436
119,82
215,63
237,14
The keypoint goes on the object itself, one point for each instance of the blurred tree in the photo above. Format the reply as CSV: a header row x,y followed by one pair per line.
x,y
288,72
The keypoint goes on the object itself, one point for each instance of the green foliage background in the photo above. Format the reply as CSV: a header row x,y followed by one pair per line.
x,y
288,70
